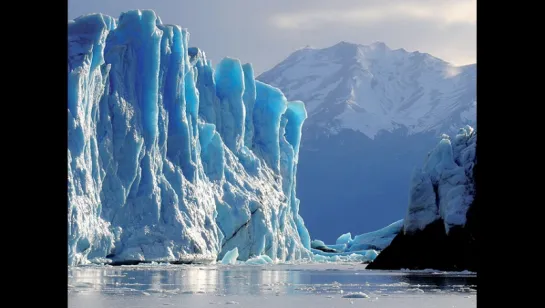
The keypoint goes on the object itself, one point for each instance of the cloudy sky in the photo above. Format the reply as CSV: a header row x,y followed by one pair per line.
x,y
264,32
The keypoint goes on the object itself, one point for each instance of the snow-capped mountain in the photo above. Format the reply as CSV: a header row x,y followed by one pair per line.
x,y
374,112
373,88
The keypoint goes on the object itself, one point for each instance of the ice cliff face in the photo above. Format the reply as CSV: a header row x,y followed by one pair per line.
x,y
440,228
444,187
169,159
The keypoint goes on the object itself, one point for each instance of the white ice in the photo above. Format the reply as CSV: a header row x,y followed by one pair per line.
x,y
444,187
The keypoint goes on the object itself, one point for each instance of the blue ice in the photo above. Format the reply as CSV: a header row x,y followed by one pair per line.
x,y
443,187
362,247
171,159
344,239
230,257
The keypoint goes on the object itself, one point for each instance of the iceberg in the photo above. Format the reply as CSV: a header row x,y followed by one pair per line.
x,y
371,241
440,228
356,256
337,247
443,189
317,244
171,160
362,248
344,239
378,239
259,260
356,295
230,257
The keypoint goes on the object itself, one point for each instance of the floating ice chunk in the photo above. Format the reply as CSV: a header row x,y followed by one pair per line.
x,y
230,257
356,295
317,244
338,248
379,239
344,239
259,260
355,256
320,258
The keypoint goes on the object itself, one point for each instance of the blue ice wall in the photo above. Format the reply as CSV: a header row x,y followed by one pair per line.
x,y
170,159
229,80
443,187
249,102
270,105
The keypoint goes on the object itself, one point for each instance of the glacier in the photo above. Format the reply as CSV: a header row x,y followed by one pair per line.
x,y
444,188
171,160
440,227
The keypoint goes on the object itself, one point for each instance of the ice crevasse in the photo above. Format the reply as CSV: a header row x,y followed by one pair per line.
x,y
171,160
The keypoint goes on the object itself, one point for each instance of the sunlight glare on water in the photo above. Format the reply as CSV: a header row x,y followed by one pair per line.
x,y
311,285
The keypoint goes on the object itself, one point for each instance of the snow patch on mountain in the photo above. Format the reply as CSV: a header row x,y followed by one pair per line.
x,y
369,88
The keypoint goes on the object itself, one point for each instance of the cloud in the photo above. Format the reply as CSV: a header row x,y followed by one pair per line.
x,y
440,12
266,32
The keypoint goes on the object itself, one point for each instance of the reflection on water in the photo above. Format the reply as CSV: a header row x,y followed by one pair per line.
x,y
256,280
441,281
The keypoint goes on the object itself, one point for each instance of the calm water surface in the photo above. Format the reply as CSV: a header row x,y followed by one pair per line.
x,y
310,285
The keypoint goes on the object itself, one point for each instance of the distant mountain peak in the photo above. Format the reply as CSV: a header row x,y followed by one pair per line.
x,y
370,88
380,45
306,47
374,44
345,43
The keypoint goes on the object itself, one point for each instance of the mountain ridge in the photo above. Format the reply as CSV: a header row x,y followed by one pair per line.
x,y
369,88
